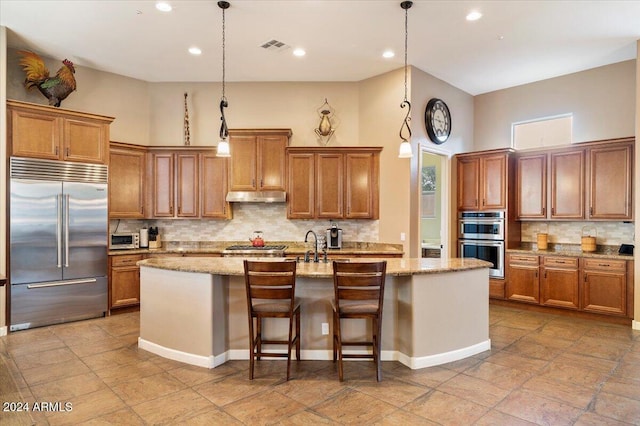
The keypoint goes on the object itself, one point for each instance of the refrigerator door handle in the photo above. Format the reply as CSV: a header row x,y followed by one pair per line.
x,y
66,231
61,283
59,230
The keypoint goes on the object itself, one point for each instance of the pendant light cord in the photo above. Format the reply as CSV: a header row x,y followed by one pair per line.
x,y
224,56
224,131
405,103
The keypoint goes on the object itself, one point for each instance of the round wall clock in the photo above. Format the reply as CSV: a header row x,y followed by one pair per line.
x,y
437,119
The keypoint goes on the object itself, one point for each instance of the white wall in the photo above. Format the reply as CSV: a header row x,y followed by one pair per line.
x,y
602,101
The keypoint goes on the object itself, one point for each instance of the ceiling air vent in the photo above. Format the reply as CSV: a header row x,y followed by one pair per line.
x,y
274,45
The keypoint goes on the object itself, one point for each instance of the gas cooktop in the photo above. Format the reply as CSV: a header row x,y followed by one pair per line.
x,y
248,247
248,250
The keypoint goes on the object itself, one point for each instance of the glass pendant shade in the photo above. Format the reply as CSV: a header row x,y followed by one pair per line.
x,y
223,149
405,150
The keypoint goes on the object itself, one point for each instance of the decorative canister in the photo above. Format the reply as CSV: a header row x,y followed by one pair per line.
x,y
543,239
589,241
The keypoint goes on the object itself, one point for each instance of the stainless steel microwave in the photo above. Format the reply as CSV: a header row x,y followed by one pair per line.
x,y
124,241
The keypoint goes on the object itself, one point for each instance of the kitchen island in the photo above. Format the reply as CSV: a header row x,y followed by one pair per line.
x,y
194,310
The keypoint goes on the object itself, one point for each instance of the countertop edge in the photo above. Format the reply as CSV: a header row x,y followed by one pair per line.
x,y
395,267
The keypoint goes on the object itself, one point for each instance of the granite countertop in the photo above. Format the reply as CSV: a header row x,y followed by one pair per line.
x,y
602,251
294,248
234,266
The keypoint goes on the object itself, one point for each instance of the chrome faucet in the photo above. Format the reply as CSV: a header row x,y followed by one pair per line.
x,y
315,252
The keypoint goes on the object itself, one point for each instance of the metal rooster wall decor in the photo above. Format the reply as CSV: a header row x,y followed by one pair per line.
x,y
55,89
325,129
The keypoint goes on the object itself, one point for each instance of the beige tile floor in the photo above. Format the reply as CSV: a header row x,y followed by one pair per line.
x,y
542,369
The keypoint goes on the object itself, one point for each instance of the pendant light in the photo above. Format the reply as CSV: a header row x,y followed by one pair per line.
x,y
223,145
405,146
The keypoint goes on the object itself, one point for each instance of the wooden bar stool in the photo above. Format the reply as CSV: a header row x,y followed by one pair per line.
x,y
359,293
271,294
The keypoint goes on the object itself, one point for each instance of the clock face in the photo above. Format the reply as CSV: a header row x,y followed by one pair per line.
x,y
437,119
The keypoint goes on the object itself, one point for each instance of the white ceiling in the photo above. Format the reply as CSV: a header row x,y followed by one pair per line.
x,y
515,42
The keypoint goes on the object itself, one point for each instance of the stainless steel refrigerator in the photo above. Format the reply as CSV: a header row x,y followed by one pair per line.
x,y
58,230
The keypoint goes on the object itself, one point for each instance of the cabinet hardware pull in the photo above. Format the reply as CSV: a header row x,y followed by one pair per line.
x,y
604,264
68,151
56,150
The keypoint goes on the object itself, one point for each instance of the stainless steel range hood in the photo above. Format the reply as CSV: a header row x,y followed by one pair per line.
x,y
257,197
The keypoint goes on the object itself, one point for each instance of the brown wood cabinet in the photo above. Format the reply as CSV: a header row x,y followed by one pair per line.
x,y
333,183
301,182
531,181
483,180
604,286
213,187
610,181
497,288
523,278
585,284
41,131
361,183
174,180
567,184
559,283
126,181
258,159
124,280
591,181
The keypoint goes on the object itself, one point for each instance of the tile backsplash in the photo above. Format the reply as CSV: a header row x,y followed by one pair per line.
x,y
248,217
606,233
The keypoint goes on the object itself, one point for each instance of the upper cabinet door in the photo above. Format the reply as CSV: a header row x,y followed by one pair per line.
x,y
301,203
163,181
610,182
567,188
213,187
242,166
531,187
126,182
360,186
271,162
468,183
330,185
493,188
85,141
35,135
187,189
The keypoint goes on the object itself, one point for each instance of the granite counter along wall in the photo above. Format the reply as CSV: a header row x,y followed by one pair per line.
x,y
608,233
271,219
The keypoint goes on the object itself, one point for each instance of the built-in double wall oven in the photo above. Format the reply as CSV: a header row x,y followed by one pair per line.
x,y
481,235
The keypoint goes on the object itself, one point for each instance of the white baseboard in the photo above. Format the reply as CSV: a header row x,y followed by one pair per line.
x,y
317,355
3,331
445,357
187,358
635,325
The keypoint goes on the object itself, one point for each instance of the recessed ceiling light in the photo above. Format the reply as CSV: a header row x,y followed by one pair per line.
x,y
299,52
474,15
388,54
163,6
195,50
